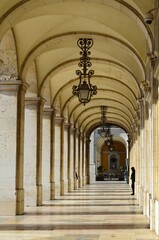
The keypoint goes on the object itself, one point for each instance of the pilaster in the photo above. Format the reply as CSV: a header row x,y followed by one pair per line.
x,y
83,160
153,218
20,149
80,137
46,146
58,178
12,94
146,208
40,105
71,158
75,160
64,157
87,169
92,159
52,156
33,151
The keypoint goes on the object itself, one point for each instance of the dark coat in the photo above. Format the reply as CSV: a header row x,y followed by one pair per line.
x,y
133,175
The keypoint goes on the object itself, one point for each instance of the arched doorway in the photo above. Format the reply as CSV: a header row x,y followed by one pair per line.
x,y
113,161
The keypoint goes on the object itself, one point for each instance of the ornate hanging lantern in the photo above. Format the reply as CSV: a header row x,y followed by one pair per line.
x,y
84,91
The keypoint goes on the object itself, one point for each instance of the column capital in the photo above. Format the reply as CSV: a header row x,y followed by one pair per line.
x,y
66,125
34,101
48,111
13,85
58,120
72,128
81,136
145,85
153,59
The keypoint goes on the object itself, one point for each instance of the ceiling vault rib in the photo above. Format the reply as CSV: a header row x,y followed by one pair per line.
x,y
118,120
94,126
105,99
97,107
124,3
32,51
129,123
64,64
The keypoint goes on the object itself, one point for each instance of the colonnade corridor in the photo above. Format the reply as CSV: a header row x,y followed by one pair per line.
x,y
102,210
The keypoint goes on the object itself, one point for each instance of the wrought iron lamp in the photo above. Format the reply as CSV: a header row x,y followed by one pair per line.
x,y
103,131
85,90
109,137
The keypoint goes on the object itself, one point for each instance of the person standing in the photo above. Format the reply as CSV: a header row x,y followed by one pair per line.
x,y
133,180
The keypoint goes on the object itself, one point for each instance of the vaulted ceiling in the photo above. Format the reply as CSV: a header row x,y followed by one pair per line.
x,y
45,34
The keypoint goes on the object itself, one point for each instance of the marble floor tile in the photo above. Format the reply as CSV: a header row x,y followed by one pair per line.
x,y
101,211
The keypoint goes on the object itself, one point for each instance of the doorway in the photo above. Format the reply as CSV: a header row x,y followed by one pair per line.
x,y
113,162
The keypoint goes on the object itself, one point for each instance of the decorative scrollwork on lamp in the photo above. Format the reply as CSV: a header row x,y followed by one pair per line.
x,y
85,90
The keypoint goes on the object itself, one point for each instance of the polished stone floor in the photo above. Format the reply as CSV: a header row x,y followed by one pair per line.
x,y
103,211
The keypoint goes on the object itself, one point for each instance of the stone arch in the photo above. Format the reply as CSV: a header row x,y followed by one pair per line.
x,y
8,57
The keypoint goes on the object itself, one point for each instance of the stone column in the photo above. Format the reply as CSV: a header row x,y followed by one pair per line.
x,y
46,146
39,151
92,159
80,160
146,209
87,169
70,158
20,149
156,101
52,156
64,157
134,157
128,159
153,211
12,94
75,160
83,160
82,153
57,156
32,151
138,162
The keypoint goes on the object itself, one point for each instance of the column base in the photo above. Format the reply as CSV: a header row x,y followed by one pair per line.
x,y
19,201
141,190
157,217
62,191
86,179
92,176
146,207
79,182
152,214
75,184
83,181
55,190
52,190
137,190
39,195
70,185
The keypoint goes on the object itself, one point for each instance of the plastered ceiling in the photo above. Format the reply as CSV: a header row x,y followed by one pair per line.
x,y
46,33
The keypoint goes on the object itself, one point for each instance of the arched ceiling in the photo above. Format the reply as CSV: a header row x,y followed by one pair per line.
x,y
101,141
46,34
